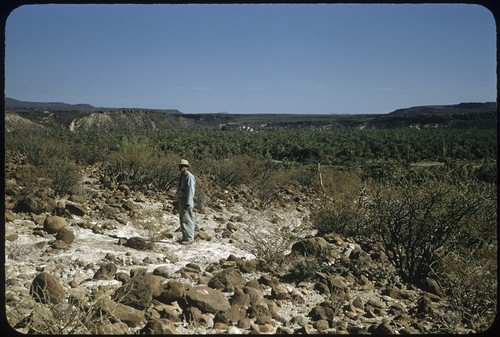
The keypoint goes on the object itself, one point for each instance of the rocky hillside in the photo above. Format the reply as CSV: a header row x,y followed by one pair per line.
x,y
107,261
86,117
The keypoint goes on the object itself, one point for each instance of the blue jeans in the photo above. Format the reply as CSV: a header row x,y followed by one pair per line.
x,y
187,222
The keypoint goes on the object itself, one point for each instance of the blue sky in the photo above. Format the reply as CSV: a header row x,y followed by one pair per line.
x,y
281,58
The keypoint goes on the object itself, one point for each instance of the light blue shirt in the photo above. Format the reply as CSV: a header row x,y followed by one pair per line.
x,y
186,188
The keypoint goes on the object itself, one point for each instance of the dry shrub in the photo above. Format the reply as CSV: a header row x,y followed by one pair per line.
x,y
142,166
65,177
270,241
471,279
77,316
342,210
150,224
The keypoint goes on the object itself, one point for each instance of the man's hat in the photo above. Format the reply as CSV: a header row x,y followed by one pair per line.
x,y
184,162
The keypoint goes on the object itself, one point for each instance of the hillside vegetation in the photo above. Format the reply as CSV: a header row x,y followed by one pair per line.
x,y
424,199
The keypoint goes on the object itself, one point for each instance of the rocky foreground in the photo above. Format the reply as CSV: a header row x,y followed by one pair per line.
x,y
109,263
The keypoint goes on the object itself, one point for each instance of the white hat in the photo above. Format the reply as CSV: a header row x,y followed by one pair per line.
x,y
184,162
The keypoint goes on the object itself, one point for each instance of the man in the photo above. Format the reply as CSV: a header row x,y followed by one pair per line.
x,y
185,195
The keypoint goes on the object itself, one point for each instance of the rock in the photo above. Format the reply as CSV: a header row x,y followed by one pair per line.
x,y
129,206
173,291
244,323
138,243
381,329
159,326
208,299
268,280
227,280
279,292
118,328
255,296
122,277
59,244
155,283
136,293
29,205
232,227
315,246
106,271
65,235
204,236
54,224
240,299
128,315
231,316
11,237
432,286
77,198
162,271
46,288
322,325
75,209
322,311
139,197
9,216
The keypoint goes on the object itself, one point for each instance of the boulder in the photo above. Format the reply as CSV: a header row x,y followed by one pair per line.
x,y
227,280
138,243
136,293
155,283
9,216
159,326
65,235
315,246
54,224
75,209
126,314
29,205
118,328
173,291
208,299
46,288
107,271
58,244
231,316
255,296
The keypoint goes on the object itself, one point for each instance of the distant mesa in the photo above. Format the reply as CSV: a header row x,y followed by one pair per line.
x,y
76,117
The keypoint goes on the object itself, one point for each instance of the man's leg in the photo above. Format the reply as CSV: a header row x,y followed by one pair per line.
x,y
188,225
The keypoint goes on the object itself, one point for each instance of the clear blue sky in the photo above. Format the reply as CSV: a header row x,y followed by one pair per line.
x,y
281,58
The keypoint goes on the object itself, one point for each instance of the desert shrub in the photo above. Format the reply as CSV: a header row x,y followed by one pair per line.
x,y
471,279
342,210
78,316
33,179
415,218
269,242
64,176
38,148
150,224
237,170
141,165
